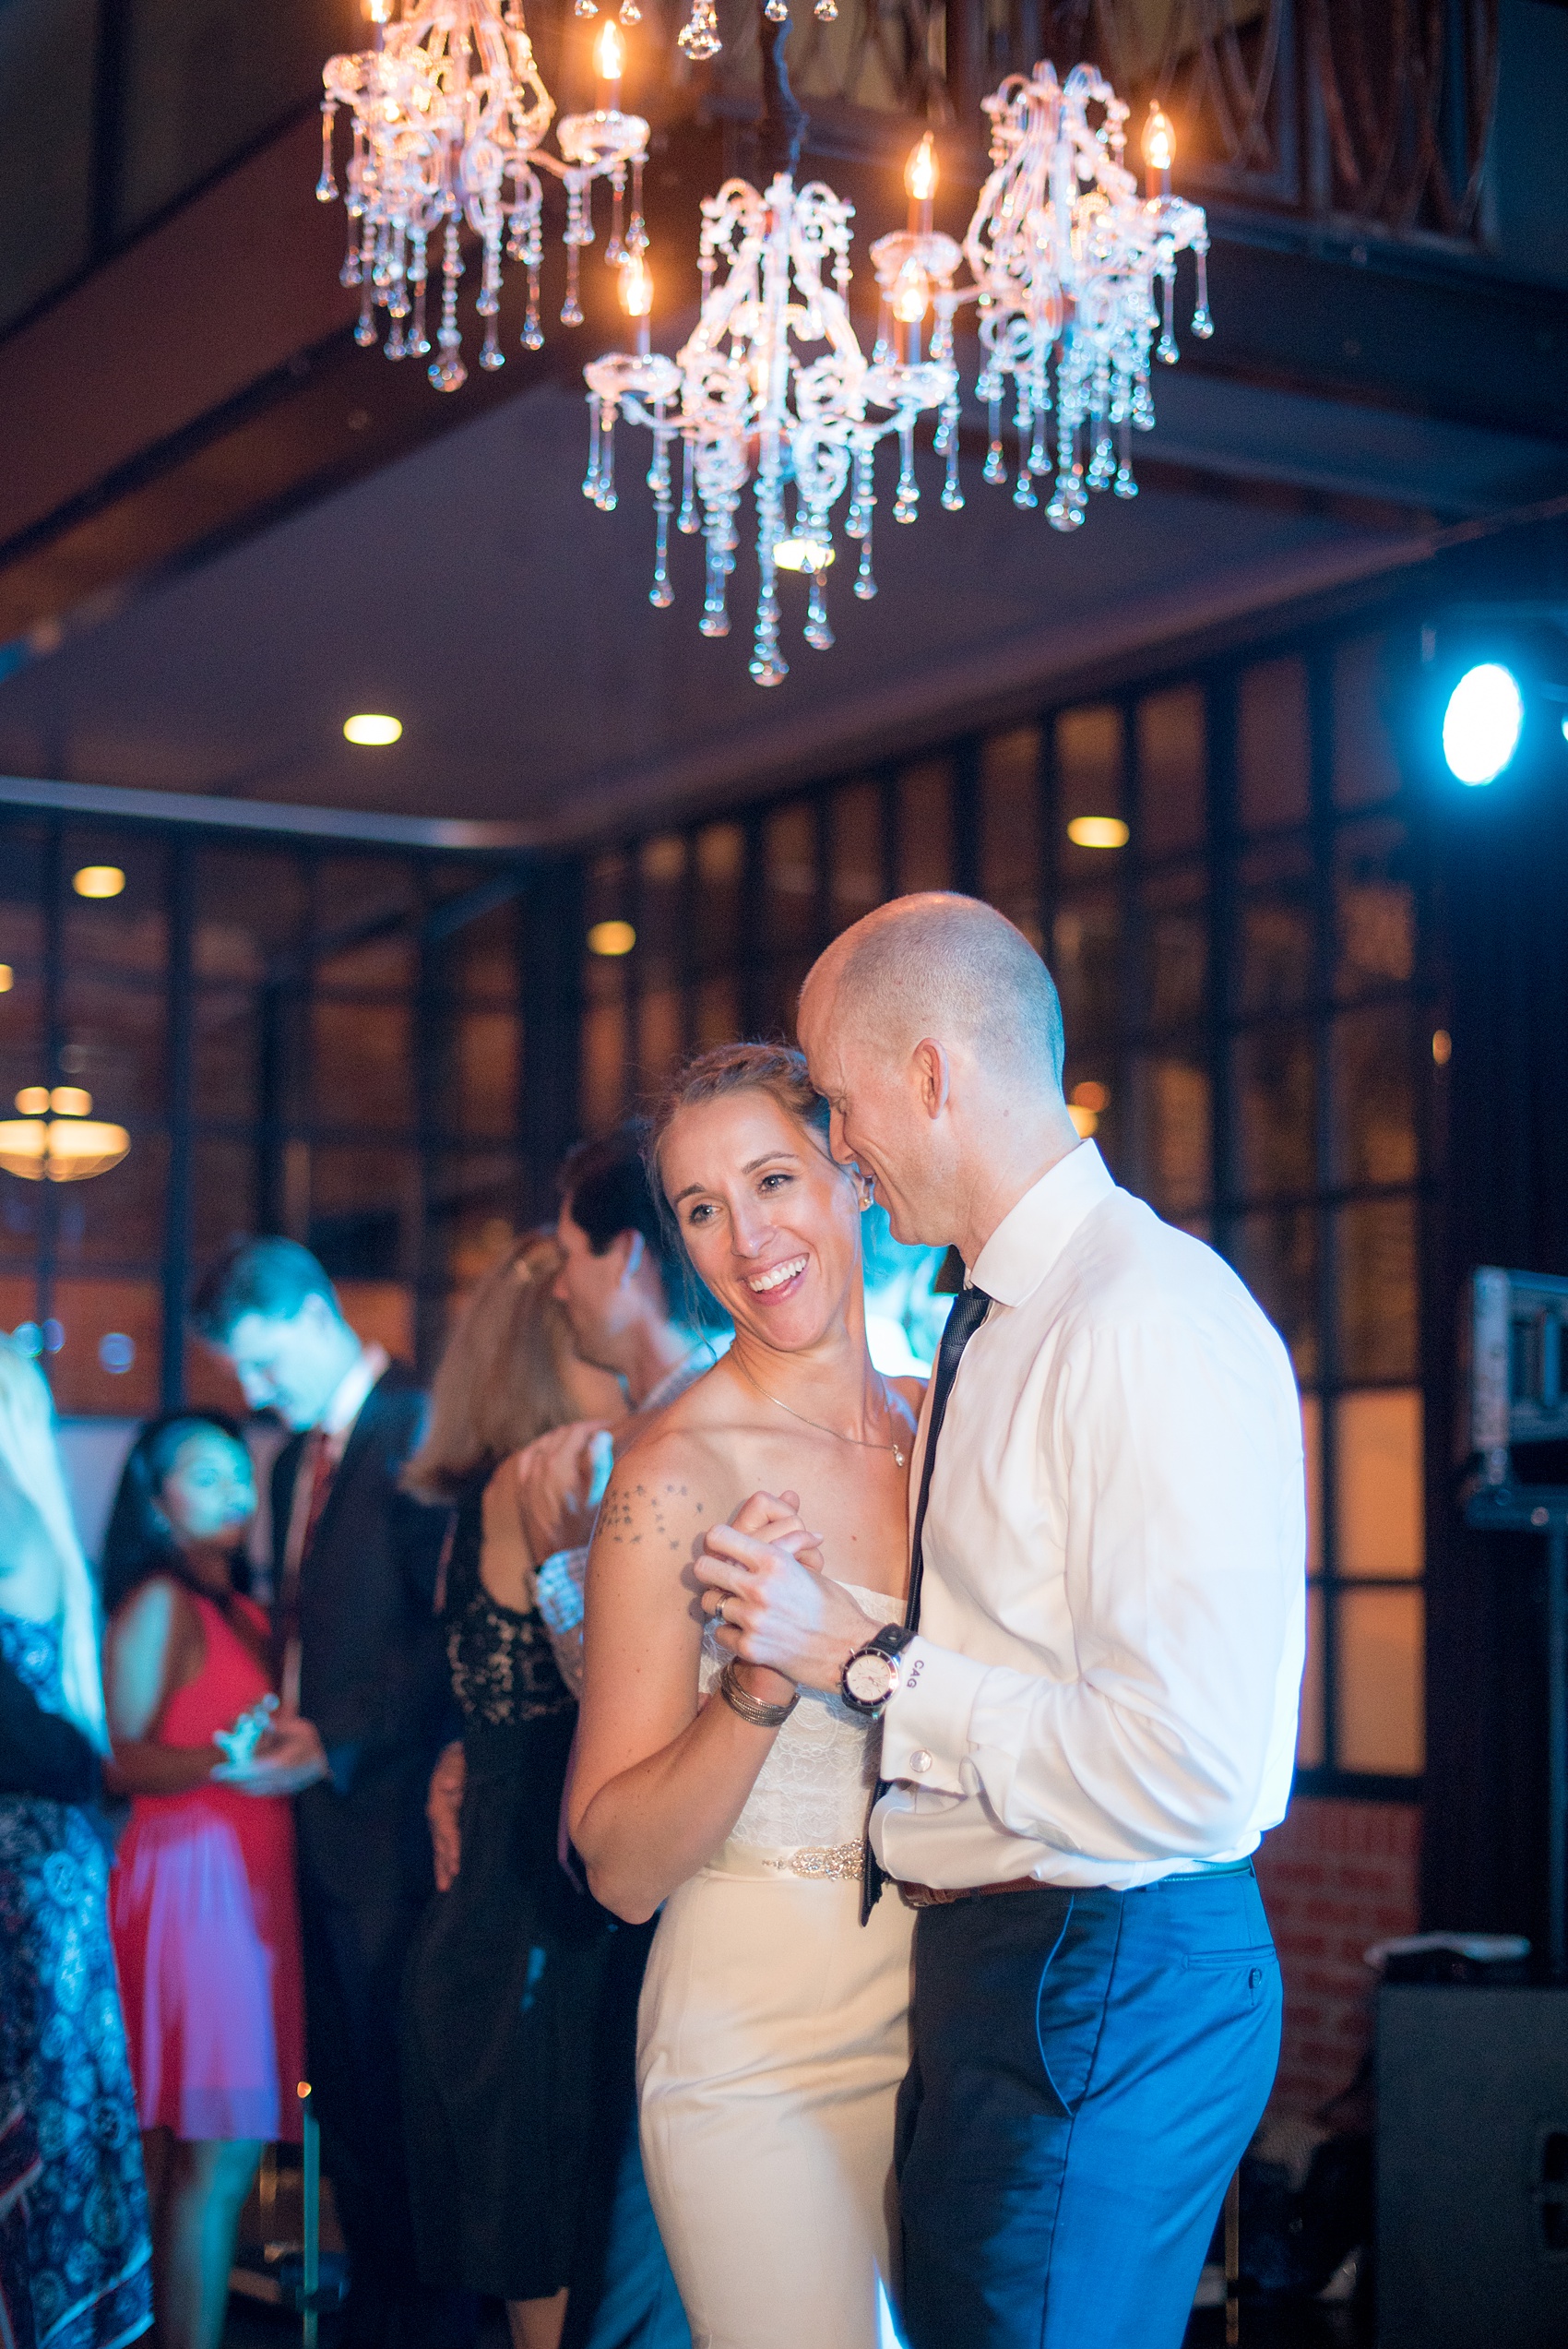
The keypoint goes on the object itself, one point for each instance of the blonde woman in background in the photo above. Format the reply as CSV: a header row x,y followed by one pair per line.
x,y
76,2273
521,1994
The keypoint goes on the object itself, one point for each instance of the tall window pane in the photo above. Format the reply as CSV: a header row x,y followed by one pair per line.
x,y
1276,1256
1273,747
1173,1128
925,825
1366,767
1379,1514
1274,1105
1090,781
1010,828
1172,771
1375,1243
855,830
1380,1660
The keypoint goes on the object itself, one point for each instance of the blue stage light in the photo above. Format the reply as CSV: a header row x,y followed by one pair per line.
x,y
1482,722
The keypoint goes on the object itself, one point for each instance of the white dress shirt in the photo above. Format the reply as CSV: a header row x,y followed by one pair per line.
x,y
1112,1621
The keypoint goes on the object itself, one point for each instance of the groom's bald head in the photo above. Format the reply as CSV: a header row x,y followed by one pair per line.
x,y
933,1031
946,967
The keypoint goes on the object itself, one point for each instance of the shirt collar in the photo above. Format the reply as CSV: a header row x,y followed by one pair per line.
x,y
347,1398
1032,1234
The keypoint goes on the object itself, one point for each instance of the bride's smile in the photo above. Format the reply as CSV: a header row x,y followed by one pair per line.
x,y
769,1221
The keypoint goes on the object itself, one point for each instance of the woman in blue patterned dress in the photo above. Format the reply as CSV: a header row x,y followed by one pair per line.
x,y
75,2274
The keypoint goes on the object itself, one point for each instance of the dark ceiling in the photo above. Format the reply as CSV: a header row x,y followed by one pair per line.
x,y
225,528
468,589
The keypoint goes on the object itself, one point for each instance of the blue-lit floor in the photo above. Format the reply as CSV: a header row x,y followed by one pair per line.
x,y
256,2327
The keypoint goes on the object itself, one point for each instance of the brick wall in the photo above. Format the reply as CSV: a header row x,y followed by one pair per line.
x,y
1336,1876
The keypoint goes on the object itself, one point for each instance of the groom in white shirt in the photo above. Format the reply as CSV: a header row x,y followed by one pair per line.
x,y
1089,1712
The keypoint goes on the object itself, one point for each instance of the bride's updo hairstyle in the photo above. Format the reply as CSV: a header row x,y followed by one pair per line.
x,y
775,1070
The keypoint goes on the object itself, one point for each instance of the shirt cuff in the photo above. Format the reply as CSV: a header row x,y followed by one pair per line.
x,y
925,1729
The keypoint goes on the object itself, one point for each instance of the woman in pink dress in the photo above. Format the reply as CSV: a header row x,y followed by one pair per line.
x,y
202,1903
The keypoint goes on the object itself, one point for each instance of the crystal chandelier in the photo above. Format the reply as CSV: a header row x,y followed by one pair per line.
x,y
772,391
450,118
1064,254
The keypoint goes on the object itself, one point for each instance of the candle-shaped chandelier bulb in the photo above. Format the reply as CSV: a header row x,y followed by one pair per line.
x,y
636,297
609,62
911,293
921,176
1159,150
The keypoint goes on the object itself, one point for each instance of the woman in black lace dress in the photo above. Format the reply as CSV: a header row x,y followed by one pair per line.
x,y
520,1990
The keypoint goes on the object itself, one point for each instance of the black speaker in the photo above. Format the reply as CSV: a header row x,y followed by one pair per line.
x,y
1472,2168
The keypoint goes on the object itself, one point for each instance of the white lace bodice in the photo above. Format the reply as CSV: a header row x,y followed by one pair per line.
x,y
816,1783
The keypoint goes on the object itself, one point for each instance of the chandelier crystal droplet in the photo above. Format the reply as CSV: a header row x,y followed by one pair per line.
x,y
451,115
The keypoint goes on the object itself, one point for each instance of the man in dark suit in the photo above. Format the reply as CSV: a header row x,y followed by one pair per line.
x,y
360,1657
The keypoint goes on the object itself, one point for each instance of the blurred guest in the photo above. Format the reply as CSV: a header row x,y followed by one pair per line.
x,y
74,2257
359,1653
202,1900
520,1986
634,1308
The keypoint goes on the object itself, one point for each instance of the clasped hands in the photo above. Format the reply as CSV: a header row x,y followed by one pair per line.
x,y
763,1575
288,1758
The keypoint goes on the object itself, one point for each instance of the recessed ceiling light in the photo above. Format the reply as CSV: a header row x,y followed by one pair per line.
x,y
7,978
1097,831
98,880
372,729
612,938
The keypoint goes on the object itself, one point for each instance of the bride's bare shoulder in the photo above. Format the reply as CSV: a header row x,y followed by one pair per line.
x,y
661,1498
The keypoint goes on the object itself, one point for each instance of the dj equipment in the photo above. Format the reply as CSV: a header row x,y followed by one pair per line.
x,y
1472,2168
1518,1391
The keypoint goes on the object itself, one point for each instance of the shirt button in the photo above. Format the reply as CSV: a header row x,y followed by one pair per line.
x,y
920,1760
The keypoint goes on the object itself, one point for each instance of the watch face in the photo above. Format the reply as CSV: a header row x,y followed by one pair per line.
x,y
870,1679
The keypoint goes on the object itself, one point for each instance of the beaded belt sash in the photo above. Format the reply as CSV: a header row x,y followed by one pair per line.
x,y
821,1863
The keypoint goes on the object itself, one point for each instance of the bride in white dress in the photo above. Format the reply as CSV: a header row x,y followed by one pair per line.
x,y
773,2032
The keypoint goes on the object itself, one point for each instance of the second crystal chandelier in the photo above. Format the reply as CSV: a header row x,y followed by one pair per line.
x,y
450,119
772,389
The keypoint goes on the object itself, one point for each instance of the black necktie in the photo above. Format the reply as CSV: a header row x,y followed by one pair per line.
x,y
968,1311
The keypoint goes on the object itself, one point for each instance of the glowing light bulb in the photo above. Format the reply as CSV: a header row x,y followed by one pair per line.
x,y
637,283
1159,140
911,292
920,173
637,296
609,52
800,553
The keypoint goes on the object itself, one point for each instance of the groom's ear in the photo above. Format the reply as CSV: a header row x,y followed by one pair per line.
x,y
933,1076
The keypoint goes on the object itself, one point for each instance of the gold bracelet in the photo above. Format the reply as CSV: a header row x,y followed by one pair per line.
x,y
749,1708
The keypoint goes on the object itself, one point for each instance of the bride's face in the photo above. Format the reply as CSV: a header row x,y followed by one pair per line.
x,y
771,1224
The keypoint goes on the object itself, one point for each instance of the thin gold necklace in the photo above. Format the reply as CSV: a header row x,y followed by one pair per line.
x,y
866,1442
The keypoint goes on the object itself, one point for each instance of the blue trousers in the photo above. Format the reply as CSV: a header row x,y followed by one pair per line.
x,y
1088,2068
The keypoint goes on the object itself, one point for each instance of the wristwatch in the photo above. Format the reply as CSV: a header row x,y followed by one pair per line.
x,y
871,1674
